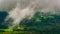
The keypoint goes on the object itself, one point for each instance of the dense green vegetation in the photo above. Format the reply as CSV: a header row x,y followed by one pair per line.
x,y
3,15
41,22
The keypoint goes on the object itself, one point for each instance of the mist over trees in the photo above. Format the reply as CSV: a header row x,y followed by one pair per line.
x,y
42,22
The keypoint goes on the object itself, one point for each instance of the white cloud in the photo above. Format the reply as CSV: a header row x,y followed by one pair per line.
x,y
27,7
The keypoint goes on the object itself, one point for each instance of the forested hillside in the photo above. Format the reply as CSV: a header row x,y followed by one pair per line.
x,y
42,22
39,22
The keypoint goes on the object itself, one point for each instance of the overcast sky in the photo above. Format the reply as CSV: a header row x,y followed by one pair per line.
x,y
8,4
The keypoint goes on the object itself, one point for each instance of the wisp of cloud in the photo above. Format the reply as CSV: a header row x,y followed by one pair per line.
x,y
19,9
